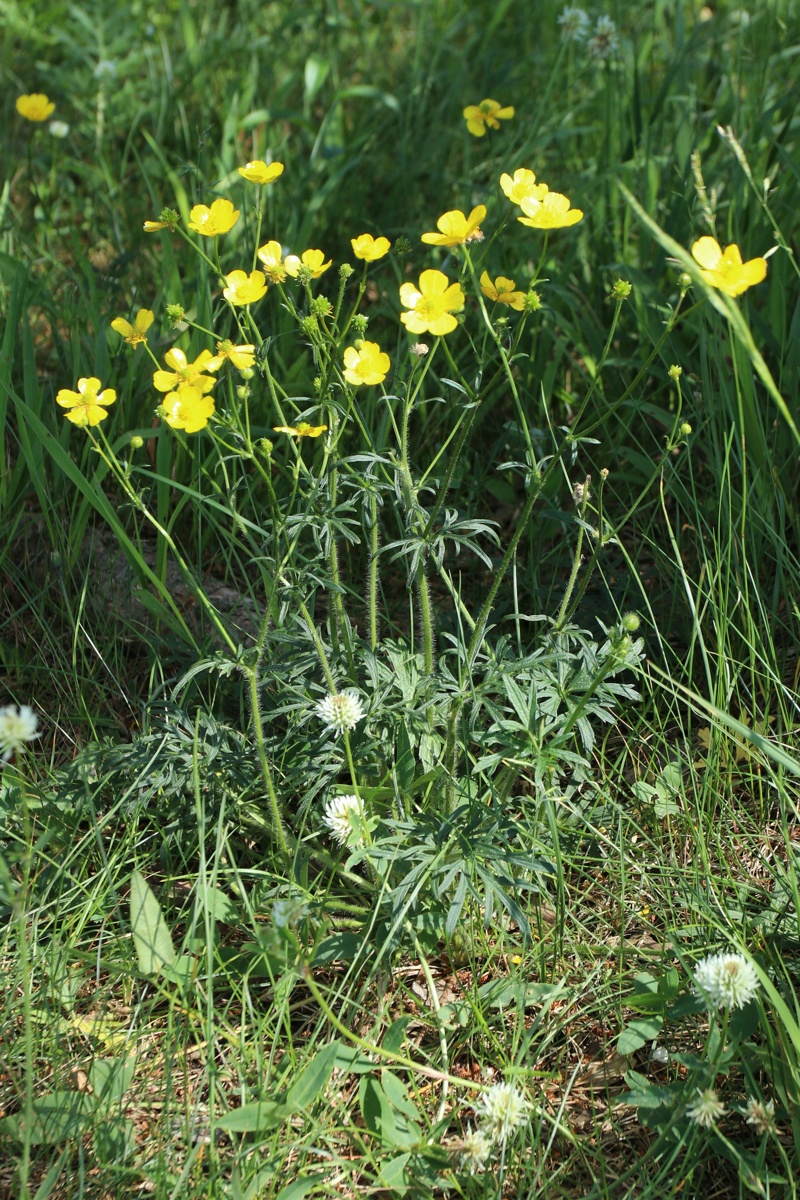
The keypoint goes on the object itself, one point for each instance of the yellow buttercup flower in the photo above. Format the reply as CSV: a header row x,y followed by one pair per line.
x,y
487,113
35,107
724,269
241,357
313,259
523,186
219,218
455,229
243,288
369,248
271,255
136,333
184,373
432,304
365,363
188,409
502,291
88,405
154,226
553,212
259,172
301,429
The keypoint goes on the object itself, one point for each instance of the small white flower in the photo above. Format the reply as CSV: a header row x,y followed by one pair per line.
x,y
502,1108
475,1150
760,1115
342,813
419,349
574,24
17,726
59,129
726,980
708,1108
605,41
340,712
106,69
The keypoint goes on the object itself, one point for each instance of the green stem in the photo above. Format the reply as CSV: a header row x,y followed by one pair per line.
x,y
398,1060
258,730
372,584
576,561
483,616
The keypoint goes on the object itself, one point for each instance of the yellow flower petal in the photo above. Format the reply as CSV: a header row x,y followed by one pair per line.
x,y
368,248
261,172
243,288
219,218
188,409
35,107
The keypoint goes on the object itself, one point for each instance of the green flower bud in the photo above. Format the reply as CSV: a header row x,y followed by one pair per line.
x,y
321,306
532,302
686,429
621,289
675,372
175,313
265,446
401,247
136,442
684,281
360,323
345,271
630,622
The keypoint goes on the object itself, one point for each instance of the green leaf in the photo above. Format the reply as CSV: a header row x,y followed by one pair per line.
x,y
393,1038
114,1141
393,1174
56,1117
637,1033
217,903
342,945
377,1110
312,1079
257,1117
110,1079
352,1060
151,936
644,1094
300,1187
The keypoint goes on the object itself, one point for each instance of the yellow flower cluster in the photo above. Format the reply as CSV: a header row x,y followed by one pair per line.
x,y
542,209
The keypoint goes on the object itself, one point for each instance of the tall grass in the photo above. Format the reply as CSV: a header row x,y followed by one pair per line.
x,y
205,994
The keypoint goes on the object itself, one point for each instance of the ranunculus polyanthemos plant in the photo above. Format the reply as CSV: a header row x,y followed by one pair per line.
x,y
326,477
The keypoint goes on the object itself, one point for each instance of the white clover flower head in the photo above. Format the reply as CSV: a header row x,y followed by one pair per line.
x,y
760,1115
574,24
341,711
604,43
17,726
707,1109
502,1108
726,980
106,69
343,814
475,1150
58,129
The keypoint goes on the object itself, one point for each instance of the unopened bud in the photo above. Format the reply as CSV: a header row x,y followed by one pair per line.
x,y
136,442
675,372
630,622
686,429
621,289
684,281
